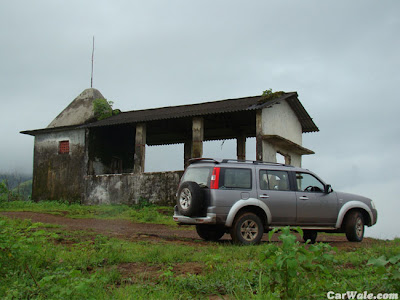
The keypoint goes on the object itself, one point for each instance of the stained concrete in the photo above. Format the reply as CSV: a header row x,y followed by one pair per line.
x,y
59,176
79,111
157,187
281,120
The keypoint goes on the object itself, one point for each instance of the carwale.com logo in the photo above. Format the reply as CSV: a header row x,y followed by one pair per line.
x,y
363,295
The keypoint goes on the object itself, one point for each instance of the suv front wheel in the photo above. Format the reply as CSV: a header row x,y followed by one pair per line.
x,y
247,229
354,226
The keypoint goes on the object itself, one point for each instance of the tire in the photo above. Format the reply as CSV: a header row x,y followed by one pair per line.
x,y
247,229
354,226
210,232
190,199
310,235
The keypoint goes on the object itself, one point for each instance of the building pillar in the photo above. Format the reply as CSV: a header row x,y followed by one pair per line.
x,y
259,133
269,152
187,152
241,147
295,160
197,137
140,148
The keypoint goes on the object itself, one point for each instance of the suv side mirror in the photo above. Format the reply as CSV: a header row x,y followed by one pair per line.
x,y
328,189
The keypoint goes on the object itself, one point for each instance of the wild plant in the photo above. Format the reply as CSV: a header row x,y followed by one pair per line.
x,y
389,270
290,265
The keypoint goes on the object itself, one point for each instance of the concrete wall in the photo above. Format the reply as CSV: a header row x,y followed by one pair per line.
x,y
157,187
59,176
281,120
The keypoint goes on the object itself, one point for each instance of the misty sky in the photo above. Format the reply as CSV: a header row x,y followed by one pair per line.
x,y
342,57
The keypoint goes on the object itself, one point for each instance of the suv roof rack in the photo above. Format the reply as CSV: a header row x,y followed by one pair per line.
x,y
259,162
255,162
219,161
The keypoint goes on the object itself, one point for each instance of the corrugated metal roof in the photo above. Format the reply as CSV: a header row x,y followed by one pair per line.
x,y
200,109
209,108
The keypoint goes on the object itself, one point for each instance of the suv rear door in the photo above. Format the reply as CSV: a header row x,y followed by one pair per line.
x,y
235,183
275,191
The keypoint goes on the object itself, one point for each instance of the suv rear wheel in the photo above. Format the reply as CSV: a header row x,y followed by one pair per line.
x,y
190,198
247,229
210,232
354,226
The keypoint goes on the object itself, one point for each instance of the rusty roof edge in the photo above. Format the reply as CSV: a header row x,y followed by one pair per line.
x,y
52,129
299,110
106,122
270,102
290,97
110,121
193,104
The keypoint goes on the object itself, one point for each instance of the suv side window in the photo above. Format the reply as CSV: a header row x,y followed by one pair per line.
x,y
274,180
308,183
235,178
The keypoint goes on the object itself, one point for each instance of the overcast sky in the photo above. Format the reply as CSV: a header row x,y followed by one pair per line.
x,y
342,57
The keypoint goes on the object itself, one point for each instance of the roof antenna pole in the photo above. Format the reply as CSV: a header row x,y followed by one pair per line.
x,y
91,77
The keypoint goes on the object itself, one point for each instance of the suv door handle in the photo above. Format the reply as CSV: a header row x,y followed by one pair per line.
x,y
303,198
263,196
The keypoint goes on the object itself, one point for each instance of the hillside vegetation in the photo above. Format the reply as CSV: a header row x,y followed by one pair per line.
x,y
15,187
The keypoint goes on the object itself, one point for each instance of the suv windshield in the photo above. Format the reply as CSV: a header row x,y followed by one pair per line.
x,y
199,175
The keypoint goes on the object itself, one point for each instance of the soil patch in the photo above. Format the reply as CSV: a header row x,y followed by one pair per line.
x,y
156,233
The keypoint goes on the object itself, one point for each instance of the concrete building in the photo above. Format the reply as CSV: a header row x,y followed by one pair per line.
x,y
80,159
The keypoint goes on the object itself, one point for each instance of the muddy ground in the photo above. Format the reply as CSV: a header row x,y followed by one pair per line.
x,y
124,229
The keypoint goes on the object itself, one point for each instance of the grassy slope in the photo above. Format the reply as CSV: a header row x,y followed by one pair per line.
x,y
144,213
40,261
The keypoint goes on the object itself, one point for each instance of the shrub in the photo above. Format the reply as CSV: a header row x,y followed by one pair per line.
x,y
102,108
292,265
389,269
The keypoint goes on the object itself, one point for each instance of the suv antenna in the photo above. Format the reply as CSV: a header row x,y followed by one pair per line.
x,y
91,77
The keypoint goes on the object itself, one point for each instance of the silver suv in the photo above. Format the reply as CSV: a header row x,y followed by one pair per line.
x,y
248,198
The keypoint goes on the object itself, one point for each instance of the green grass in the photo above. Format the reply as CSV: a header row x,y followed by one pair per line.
x,y
142,213
39,261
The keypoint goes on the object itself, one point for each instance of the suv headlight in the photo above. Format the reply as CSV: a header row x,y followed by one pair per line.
x,y
373,204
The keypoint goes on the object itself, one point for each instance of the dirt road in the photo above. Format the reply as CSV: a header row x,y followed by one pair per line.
x,y
127,230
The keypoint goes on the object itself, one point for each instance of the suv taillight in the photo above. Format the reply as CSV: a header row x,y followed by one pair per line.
x,y
214,184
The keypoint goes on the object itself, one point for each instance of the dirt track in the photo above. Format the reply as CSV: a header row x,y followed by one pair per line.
x,y
127,230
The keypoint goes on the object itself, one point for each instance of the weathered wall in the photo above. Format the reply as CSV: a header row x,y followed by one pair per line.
x,y
59,176
79,111
281,120
157,187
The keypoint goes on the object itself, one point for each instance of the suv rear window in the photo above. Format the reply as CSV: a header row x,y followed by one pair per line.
x,y
235,178
199,175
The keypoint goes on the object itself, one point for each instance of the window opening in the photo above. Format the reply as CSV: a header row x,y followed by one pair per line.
x,y
63,147
164,158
